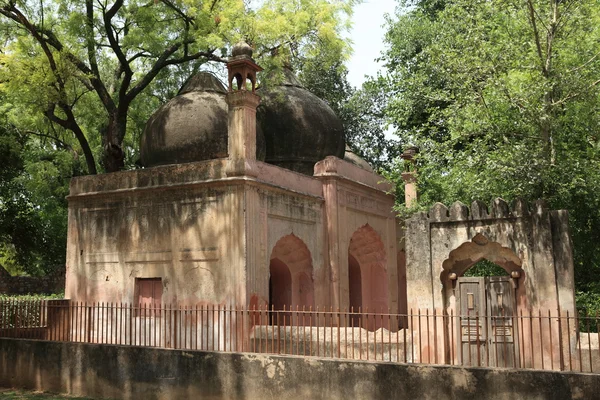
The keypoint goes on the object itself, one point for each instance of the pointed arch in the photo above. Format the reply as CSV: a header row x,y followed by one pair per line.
x,y
366,252
470,253
291,281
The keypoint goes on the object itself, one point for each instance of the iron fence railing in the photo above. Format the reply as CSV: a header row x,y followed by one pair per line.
x,y
540,339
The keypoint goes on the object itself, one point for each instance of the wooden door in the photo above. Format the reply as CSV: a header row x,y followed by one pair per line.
x,y
471,327
501,310
487,331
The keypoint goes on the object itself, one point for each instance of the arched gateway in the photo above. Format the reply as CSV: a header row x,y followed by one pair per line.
x,y
532,246
485,306
367,274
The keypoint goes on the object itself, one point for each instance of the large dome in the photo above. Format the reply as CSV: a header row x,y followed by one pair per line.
x,y
299,128
192,126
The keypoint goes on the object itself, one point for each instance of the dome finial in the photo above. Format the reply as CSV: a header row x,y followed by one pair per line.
x,y
242,49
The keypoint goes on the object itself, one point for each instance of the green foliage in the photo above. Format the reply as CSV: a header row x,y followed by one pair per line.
x,y
361,110
20,314
79,80
23,311
82,66
503,100
34,179
485,268
11,394
31,297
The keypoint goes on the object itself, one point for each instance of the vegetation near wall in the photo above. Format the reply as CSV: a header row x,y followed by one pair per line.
x,y
503,99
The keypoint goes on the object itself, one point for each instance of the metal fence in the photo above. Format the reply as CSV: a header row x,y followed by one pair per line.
x,y
542,339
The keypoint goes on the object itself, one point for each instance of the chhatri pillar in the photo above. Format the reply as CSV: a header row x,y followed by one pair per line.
x,y
409,176
242,104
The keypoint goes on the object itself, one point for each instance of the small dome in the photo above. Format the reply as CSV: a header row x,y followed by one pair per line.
x,y
299,128
190,127
353,158
241,49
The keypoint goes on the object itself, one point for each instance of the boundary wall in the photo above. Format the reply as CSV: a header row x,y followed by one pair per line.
x,y
18,285
109,371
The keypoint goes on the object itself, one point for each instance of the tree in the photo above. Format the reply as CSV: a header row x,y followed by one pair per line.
x,y
361,110
34,179
502,97
83,64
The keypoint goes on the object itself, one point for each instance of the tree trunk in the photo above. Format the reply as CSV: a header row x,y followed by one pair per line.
x,y
113,157
87,152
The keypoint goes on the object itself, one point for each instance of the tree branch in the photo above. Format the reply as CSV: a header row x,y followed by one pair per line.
x,y
536,36
114,44
91,49
70,124
585,63
164,61
574,95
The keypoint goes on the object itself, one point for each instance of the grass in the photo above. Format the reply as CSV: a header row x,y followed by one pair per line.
x,y
14,394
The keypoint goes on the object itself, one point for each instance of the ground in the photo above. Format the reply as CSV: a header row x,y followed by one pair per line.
x,y
13,394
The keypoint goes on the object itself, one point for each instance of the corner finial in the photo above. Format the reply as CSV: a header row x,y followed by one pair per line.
x,y
242,68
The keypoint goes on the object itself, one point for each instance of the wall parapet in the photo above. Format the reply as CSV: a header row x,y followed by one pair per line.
x,y
479,210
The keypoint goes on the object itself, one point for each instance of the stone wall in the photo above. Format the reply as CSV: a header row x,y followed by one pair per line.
x,y
147,373
17,285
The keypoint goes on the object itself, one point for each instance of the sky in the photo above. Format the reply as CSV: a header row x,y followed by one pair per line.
x,y
367,37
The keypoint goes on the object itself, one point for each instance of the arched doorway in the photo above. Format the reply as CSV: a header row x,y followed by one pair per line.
x,y
355,288
280,285
367,275
291,283
483,284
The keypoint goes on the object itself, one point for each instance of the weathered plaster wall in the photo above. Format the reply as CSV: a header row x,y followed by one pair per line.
x,y
541,244
356,199
211,236
207,235
533,242
133,372
277,214
192,238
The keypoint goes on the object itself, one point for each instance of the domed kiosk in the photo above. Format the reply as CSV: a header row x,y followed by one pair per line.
x,y
207,222
294,128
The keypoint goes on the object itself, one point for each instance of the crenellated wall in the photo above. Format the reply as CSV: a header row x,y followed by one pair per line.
x,y
537,236
530,242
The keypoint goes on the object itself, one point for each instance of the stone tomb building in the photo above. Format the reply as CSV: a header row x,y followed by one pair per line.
x,y
248,198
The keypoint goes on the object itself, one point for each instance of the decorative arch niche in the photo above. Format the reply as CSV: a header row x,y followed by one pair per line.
x,y
367,272
461,259
291,282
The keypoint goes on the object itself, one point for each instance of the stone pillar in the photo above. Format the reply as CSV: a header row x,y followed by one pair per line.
x,y
419,274
409,176
241,126
241,121
410,188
